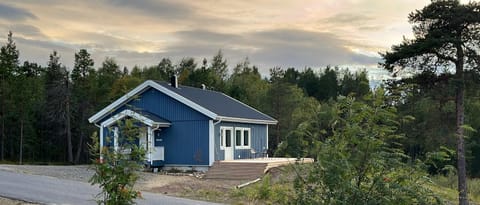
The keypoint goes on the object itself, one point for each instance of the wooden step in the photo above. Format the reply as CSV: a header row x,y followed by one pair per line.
x,y
236,170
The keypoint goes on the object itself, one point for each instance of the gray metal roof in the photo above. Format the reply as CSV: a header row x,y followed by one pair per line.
x,y
152,117
218,103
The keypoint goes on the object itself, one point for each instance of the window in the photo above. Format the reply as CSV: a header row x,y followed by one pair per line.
x,y
242,138
238,138
226,137
246,137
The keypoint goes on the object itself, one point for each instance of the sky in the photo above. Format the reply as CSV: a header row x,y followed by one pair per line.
x,y
271,33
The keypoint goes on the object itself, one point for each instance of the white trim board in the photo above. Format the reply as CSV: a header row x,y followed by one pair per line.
x,y
211,142
245,120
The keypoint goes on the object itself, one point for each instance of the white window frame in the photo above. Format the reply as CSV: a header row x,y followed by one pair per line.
x,y
223,131
242,137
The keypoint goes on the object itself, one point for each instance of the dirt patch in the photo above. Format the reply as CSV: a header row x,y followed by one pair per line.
x,y
202,189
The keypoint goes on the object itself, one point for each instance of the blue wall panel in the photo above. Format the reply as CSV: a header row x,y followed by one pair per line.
x,y
258,140
186,140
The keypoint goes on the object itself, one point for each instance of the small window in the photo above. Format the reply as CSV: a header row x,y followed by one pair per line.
x,y
246,137
228,138
238,137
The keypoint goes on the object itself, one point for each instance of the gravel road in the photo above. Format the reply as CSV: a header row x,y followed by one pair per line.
x,y
50,190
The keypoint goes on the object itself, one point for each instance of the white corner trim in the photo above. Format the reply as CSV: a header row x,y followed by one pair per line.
x,y
211,143
101,141
266,146
245,120
142,87
135,115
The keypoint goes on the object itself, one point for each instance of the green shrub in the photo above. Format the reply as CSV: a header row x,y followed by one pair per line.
x,y
116,171
265,192
362,163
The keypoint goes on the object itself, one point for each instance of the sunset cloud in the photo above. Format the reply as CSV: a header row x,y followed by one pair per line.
x,y
304,33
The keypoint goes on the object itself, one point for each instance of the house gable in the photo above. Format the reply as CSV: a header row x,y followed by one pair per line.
x,y
142,88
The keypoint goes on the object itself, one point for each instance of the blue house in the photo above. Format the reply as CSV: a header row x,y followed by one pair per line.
x,y
185,127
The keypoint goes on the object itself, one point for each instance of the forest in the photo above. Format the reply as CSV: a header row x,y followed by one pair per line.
x,y
44,109
430,115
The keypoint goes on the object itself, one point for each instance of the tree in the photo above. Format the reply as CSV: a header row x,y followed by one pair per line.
x,y
166,69
360,163
356,84
28,96
185,68
446,36
82,79
282,98
219,65
106,76
57,106
328,85
246,85
8,63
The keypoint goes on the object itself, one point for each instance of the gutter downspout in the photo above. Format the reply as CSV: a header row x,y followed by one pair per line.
x,y
216,123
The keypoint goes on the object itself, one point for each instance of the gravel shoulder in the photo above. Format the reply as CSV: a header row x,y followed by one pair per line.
x,y
6,201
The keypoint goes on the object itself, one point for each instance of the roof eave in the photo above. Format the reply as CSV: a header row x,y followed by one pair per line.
x,y
247,120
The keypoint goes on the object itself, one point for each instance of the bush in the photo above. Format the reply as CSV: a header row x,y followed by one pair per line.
x,y
116,170
362,163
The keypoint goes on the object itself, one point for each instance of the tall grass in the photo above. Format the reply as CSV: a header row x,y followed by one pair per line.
x,y
449,185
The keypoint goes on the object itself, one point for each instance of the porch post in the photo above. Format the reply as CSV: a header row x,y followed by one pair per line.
x,y
115,138
101,142
149,144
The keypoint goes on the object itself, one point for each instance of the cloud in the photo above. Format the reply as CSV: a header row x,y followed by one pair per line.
x,y
27,31
348,18
172,10
14,14
167,12
277,47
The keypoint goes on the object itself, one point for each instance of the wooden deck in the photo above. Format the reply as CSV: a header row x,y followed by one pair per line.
x,y
248,168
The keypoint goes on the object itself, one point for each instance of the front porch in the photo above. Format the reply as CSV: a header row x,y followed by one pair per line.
x,y
248,169
149,137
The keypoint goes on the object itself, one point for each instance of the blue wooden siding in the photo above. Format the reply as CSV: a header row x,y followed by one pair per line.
x,y
258,140
186,140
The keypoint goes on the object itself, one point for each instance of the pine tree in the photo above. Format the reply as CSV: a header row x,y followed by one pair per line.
x,y
8,63
446,36
82,79
57,106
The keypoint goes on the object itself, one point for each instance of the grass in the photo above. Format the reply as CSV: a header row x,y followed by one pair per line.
x,y
446,187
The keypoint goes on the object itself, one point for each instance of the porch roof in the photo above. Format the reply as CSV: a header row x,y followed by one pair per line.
x,y
145,117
